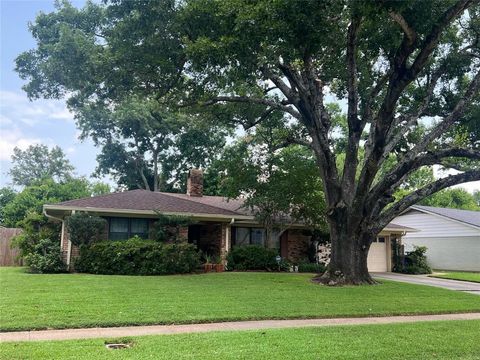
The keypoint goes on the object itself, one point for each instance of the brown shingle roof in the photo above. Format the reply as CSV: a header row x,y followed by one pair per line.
x,y
159,201
172,203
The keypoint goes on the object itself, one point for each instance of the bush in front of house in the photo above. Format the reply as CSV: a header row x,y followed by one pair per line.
x,y
416,262
85,228
39,244
252,257
137,257
45,257
311,268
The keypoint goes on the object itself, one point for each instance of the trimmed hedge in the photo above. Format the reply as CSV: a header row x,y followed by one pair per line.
x,y
137,257
311,268
252,257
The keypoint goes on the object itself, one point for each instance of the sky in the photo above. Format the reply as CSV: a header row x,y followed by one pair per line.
x,y
24,122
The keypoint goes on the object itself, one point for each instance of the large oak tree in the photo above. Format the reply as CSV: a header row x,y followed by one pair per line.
x,y
396,66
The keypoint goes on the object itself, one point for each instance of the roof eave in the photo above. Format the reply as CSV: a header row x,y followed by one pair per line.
x,y
153,213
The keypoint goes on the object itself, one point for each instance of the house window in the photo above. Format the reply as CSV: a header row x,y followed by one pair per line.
x,y
125,228
249,236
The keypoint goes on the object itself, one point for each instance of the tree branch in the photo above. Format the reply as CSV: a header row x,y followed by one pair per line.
x,y
388,215
457,113
293,141
400,20
398,175
396,132
245,99
262,117
354,126
431,41
400,78
288,92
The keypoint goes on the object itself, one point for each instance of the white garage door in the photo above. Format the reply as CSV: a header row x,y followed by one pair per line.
x,y
377,256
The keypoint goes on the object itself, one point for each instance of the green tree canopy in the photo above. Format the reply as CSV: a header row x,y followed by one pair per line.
x,y
32,198
144,142
37,163
452,198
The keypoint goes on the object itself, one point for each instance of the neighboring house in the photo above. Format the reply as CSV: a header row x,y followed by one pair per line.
x,y
220,223
452,236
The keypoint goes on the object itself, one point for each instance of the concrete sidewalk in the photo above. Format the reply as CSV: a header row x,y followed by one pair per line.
x,y
114,332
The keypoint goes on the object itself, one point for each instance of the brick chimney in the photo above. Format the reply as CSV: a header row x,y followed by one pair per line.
x,y
195,182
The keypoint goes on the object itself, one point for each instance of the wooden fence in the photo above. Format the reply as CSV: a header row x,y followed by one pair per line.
x,y
9,256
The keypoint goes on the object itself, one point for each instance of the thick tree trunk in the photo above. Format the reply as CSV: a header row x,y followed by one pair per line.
x,y
348,261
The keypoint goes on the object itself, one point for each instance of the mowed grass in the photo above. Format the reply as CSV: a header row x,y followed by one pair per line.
x,y
464,276
428,340
30,301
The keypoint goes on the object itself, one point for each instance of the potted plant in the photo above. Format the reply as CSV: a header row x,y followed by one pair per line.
x,y
219,266
208,266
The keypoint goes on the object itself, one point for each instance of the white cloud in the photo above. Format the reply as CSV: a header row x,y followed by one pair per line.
x,y
15,108
9,139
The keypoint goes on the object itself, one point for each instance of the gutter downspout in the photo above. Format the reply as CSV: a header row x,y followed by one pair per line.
x,y
59,219
69,249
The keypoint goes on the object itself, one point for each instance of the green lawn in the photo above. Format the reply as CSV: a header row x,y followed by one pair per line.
x,y
465,276
29,301
428,340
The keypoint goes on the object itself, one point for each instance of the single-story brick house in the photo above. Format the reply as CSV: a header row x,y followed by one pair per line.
x,y
220,223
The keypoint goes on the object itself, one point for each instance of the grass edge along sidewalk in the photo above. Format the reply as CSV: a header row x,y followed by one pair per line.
x,y
91,333
458,275
422,340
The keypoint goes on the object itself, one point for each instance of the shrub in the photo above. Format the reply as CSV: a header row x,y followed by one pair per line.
x,y
311,268
39,244
84,228
252,257
416,262
137,257
45,257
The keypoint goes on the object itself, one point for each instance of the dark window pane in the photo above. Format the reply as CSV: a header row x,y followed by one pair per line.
x,y
242,236
258,237
139,227
119,225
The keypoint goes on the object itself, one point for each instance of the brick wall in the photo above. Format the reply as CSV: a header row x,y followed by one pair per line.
x,y
211,239
298,243
183,233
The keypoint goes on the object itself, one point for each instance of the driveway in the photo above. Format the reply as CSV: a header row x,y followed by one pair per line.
x,y
465,286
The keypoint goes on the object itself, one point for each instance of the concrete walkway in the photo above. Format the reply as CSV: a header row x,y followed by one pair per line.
x,y
115,332
465,286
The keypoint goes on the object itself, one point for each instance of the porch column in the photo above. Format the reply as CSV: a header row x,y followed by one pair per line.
x,y
224,241
228,238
